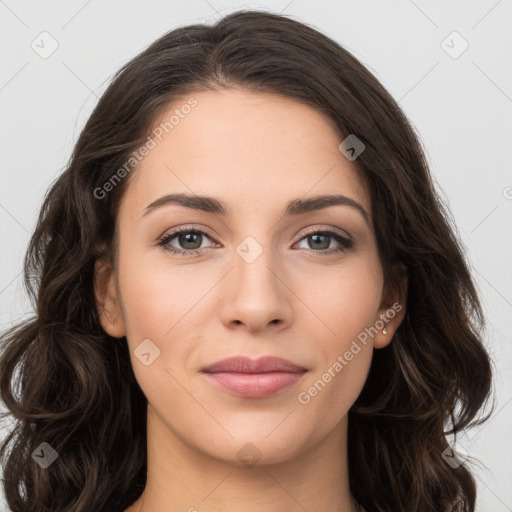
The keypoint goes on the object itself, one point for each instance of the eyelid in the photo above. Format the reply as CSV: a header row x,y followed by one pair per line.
x,y
175,230
345,241
302,234
316,229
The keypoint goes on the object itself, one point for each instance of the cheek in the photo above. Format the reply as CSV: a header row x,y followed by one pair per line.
x,y
344,353
160,304
346,304
158,299
344,299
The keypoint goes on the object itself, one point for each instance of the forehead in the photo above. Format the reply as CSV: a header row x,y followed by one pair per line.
x,y
251,150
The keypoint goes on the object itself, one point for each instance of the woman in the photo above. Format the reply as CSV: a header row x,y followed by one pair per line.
x,y
248,294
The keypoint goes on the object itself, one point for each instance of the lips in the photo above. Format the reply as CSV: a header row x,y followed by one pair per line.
x,y
250,378
266,364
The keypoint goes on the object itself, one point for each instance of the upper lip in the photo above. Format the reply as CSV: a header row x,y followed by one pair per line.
x,y
265,364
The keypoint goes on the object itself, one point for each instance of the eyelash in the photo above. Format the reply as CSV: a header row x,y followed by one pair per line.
x,y
345,243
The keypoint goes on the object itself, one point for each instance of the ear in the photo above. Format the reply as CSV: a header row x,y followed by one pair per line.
x,y
107,302
392,309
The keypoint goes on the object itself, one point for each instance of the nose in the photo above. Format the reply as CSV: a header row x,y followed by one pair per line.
x,y
256,295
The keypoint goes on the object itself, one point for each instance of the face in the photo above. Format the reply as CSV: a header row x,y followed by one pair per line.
x,y
253,280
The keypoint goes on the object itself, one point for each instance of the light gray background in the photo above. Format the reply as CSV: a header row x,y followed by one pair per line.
x,y
461,107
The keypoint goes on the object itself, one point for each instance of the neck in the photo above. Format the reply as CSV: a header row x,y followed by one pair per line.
x,y
181,478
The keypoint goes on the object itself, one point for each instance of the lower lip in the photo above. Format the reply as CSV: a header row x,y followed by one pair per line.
x,y
254,385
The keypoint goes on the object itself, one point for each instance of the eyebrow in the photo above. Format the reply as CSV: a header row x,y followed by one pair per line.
x,y
294,207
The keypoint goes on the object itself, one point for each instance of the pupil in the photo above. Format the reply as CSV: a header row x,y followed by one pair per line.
x,y
315,238
185,239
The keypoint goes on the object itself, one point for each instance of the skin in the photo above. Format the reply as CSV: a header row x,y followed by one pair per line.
x,y
254,152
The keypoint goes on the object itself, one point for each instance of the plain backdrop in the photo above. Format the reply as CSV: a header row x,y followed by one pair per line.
x,y
448,64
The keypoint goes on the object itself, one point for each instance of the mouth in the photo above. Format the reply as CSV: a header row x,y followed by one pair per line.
x,y
250,378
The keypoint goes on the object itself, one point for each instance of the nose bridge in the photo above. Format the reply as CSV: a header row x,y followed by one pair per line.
x,y
253,264
255,296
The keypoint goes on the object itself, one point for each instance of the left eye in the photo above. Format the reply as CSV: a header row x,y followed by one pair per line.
x,y
191,240
318,239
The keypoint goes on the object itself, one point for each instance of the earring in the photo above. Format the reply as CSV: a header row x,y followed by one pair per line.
x,y
385,330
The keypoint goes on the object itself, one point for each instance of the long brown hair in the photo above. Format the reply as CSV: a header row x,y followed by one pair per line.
x,y
67,383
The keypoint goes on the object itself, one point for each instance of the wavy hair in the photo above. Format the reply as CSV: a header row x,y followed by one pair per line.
x,y
66,382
